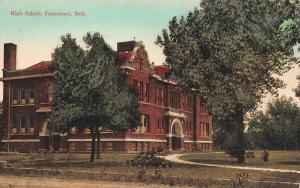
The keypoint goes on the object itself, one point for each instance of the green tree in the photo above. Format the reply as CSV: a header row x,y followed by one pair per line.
x,y
90,90
231,51
278,127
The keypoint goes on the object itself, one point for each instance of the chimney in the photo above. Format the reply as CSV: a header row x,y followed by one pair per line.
x,y
10,56
126,46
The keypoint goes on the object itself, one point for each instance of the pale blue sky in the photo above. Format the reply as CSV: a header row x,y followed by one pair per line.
x,y
116,20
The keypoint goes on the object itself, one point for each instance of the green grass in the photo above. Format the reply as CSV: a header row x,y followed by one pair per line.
x,y
116,163
278,159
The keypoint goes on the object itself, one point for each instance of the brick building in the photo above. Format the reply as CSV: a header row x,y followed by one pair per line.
x,y
171,118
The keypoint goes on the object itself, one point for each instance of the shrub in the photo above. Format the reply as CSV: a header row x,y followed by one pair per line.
x,y
148,158
250,154
140,174
265,155
157,174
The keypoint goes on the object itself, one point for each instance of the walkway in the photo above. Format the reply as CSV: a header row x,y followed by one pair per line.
x,y
175,158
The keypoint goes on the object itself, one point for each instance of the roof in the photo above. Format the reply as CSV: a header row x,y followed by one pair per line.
x,y
41,66
163,69
41,69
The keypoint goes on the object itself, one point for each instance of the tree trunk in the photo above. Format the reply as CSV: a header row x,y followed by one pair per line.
x,y
98,144
241,147
92,158
241,137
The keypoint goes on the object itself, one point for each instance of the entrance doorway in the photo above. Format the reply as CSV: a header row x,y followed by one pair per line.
x,y
177,135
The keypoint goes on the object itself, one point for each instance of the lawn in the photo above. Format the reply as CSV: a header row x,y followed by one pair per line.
x,y
278,159
116,163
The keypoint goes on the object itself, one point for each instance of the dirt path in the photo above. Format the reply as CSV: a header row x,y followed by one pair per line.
x,y
175,158
34,182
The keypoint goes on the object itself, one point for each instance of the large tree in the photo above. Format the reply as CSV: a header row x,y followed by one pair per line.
x,y
91,91
278,127
232,51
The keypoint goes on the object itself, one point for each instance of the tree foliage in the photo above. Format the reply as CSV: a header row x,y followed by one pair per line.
x,y
90,89
278,127
231,51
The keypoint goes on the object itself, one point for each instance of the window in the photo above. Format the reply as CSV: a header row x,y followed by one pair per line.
x,y
158,123
141,90
207,129
50,93
16,98
202,105
31,124
189,101
88,146
146,97
23,96
72,146
27,92
163,125
159,96
109,146
186,127
146,123
15,125
23,124
31,96
143,128
175,100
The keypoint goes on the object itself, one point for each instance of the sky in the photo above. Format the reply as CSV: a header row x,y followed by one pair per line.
x,y
117,20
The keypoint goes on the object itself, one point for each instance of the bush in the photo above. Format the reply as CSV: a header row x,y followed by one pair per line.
x,y
265,155
148,158
250,154
140,174
156,175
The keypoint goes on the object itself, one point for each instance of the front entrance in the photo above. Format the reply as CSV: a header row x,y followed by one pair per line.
x,y
176,138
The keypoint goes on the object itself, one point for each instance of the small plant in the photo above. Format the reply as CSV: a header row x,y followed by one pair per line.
x,y
265,155
241,180
103,171
157,174
140,174
171,180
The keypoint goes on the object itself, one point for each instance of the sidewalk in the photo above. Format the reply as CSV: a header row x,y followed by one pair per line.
x,y
175,158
